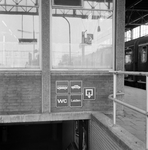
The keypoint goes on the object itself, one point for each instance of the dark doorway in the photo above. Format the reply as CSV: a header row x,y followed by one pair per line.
x,y
63,135
31,136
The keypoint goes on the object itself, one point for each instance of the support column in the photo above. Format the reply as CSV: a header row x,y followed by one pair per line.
x,y
119,46
45,49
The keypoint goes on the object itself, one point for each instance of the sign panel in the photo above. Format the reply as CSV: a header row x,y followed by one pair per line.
x,y
62,87
89,39
67,3
62,100
75,86
89,93
27,41
76,100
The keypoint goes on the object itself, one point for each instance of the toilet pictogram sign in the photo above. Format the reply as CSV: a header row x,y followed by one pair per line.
x,y
62,100
89,93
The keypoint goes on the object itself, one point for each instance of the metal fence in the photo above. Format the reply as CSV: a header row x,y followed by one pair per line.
x,y
115,100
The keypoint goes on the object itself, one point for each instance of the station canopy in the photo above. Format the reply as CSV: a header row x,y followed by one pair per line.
x,y
23,7
136,13
136,10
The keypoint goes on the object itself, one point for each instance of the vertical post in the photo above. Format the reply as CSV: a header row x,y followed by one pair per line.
x,y
70,62
147,112
33,53
83,47
4,57
114,96
114,35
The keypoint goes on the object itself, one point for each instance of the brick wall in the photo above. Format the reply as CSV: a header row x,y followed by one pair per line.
x,y
103,84
100,137
20,94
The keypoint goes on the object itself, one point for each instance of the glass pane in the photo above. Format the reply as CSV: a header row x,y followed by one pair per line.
x,y
136,32
128,35
19,41
144,54
83,38
144,30
128,56
128,59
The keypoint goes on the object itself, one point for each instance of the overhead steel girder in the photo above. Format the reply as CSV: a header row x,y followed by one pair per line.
x,y
84,12
30,7
19,7
136,14
135,18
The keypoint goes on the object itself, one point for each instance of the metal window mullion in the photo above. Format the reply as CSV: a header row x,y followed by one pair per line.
x,y
114,62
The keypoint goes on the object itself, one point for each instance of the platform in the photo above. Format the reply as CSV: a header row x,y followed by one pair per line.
x,y
133,121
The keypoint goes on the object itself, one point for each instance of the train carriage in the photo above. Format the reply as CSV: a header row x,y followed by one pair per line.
x,y
136,60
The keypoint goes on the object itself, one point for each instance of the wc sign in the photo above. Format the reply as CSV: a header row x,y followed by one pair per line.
x,y
62,100
89,93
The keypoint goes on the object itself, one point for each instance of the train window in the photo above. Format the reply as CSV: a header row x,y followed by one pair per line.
x,y
83,40
19,35
128,57
144,54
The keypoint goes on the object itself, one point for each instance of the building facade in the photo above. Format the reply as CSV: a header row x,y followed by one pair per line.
x,y
56,67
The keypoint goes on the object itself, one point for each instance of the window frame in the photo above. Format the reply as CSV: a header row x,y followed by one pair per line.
x,y
85,68
32,69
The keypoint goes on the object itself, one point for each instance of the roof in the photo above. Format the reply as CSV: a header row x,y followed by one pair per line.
x,y
136,13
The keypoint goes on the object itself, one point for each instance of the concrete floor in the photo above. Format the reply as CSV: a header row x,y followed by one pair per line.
x,y
133,121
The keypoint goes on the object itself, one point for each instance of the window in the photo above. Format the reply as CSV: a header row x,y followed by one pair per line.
x,y
136,32
128,35
19,35
128,57
144,30
82,38
144,54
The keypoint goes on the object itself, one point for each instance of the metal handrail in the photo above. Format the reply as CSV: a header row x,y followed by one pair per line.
x,y
126,104
130,73
115,100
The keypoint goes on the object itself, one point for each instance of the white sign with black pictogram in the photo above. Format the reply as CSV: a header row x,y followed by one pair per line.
x,y
75,86
62,100
76,100
62,87
89,93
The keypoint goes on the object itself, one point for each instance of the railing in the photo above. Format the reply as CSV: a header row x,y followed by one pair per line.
x,y
115,100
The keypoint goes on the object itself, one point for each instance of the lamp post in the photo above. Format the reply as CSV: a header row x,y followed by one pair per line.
x,y
83,47
69,40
